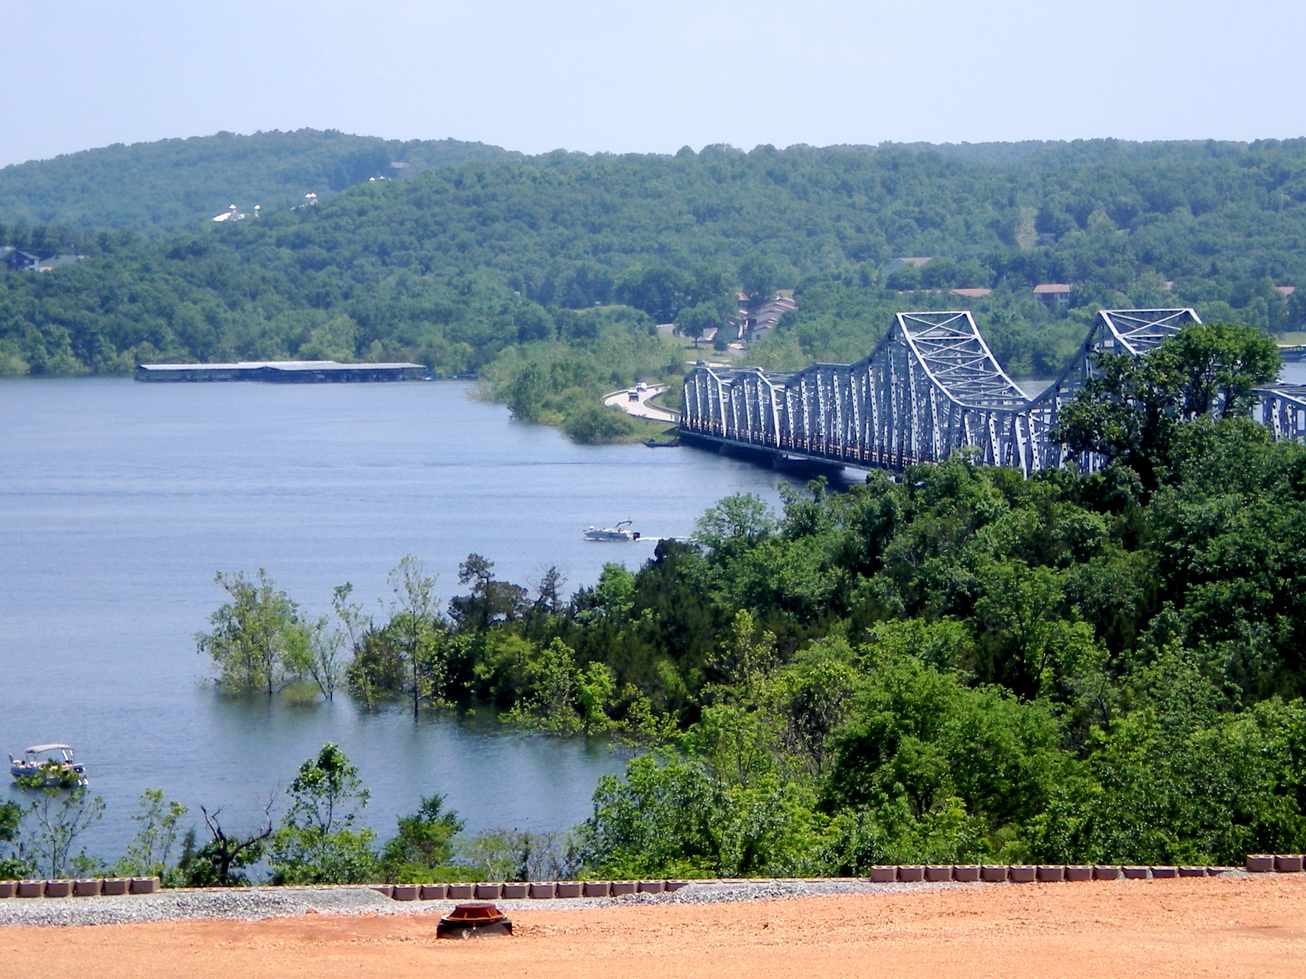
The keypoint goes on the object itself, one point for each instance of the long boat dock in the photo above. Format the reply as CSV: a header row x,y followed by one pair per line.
x,y
283,371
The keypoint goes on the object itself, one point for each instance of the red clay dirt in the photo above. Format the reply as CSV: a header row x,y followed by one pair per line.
x,y
1243,926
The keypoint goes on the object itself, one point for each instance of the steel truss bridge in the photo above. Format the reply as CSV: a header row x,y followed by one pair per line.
x,y
930,388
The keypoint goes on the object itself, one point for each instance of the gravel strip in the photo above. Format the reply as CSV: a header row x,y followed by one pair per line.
x,y
258,903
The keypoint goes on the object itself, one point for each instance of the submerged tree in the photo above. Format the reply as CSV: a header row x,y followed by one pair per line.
x,y
255,636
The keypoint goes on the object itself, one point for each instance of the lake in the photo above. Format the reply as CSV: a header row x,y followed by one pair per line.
x,y
119,501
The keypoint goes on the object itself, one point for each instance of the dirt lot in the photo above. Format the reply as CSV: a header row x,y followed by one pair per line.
x,y
1215,927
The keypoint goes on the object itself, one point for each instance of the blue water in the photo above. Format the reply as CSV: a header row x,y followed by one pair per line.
x,y
119,501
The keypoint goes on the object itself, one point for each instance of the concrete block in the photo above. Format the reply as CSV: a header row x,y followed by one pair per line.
x,y
543,891
460,892
1287,863
568,888
1079,873
936,873
883,875
114,886
31,888
1164,873
1106,872
620,888
651,887
1260,863
1049,874
58,888
911,874
514,890
433,892
487,892
8,888
1022,874
86,887
1192,871
675,885
594,888
966,872
992,874
405,892
1134,873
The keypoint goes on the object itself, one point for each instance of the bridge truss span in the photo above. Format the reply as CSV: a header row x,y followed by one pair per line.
x,y
930,388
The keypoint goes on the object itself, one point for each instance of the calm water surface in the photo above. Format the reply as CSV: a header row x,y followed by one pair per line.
x,y
119,501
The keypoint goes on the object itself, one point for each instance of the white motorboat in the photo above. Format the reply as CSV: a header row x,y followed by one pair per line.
x,y
53,764
621,532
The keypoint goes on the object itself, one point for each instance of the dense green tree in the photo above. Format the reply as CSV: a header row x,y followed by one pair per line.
x,y
318,842
257,636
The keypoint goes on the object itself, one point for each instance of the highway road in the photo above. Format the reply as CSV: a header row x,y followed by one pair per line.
x,y
641,408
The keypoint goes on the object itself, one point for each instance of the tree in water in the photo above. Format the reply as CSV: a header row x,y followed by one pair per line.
x,y
414,619
255,635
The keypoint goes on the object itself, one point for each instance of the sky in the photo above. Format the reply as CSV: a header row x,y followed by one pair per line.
x,y
649,75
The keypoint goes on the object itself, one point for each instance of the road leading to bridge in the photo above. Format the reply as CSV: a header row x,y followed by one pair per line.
x,y
642,408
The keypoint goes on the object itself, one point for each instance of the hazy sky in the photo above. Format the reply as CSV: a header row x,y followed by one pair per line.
x,y
649,75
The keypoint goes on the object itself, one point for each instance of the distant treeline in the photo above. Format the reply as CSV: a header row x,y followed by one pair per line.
x,y
470,261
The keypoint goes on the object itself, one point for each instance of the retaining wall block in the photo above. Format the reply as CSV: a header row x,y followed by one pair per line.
x,y
1164,873
991,874
31,888
542,891
594,888
1260,863
1079,873
385,890
487,892
569,888
514,890
1022,874
911,874
433,892
1192,871
966,872
1134,873
8,887
459,892
1049,874
86,887
620,888
675,885
1106,872
58,888
1288,863
145,885
115,886
883,875
405,892
935,873
651,887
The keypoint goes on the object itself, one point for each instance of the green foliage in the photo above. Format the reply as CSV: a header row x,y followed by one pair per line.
x,y
423,849
56,820
11,820
318,842
257,638
158,822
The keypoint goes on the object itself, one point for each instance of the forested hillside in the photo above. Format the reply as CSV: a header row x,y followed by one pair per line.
x,y
456,265
176,181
